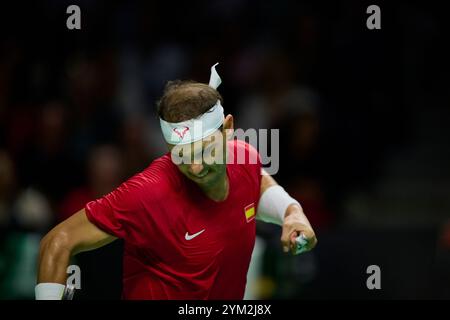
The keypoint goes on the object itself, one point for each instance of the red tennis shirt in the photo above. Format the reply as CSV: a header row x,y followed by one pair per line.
x,y
179,244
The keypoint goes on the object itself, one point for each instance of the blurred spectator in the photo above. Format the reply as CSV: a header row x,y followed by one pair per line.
x,y
46,163
304,164
25,215
275,96
91,86
7,188
104,173
137,147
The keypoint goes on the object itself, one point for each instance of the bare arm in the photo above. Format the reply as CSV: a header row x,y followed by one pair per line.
x,y
74,235
295,221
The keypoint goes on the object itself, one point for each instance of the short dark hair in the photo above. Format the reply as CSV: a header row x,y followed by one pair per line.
x,y
184,100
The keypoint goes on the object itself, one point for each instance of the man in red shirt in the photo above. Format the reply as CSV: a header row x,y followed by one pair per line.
x,y
188,225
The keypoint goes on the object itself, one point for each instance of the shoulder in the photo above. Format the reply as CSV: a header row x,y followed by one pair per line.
x,y
151,184
241,152
244,157
161,176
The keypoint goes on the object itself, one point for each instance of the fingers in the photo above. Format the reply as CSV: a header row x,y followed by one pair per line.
x,y
285,238
293,228
308,233
312,243
294,236
293,242
289,238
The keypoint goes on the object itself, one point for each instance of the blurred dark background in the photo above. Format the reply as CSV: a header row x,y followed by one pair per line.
x,y
363,118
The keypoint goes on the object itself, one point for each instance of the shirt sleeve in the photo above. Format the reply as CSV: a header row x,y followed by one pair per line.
x,y
134,210
255,167
252,166
114,212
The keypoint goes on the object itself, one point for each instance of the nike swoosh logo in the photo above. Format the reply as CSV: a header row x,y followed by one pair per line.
x,y
190,237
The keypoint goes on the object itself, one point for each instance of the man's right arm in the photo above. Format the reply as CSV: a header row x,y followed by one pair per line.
x,y
74,235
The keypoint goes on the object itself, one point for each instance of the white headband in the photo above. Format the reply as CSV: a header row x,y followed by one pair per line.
x,y
196,129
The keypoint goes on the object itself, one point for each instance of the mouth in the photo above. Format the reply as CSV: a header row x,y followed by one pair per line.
x,y
201,175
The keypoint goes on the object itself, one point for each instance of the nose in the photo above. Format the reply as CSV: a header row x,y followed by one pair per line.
x,y
195,168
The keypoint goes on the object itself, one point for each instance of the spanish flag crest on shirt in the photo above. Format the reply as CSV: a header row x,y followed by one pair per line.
x,y
249,212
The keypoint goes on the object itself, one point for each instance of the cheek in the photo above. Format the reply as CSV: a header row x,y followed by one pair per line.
x,y
217,168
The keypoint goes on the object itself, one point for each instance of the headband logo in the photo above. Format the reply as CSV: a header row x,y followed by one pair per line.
x,y
181,133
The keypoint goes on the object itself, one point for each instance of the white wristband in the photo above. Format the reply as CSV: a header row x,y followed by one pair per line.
x,y
273,204
49,291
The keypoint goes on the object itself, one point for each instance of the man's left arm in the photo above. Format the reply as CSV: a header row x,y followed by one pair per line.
x,y
276,206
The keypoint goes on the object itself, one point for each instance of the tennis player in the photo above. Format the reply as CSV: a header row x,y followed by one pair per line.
x,y
188,226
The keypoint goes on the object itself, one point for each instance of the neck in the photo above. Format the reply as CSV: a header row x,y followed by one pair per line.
x,y
219,190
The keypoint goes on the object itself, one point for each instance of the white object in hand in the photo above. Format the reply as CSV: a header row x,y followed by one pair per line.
x,y
301,241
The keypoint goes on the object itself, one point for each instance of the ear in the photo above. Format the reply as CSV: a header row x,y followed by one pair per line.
x,y
228,126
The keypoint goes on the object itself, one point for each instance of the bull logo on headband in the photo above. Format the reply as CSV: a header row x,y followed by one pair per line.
x,y
181,131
